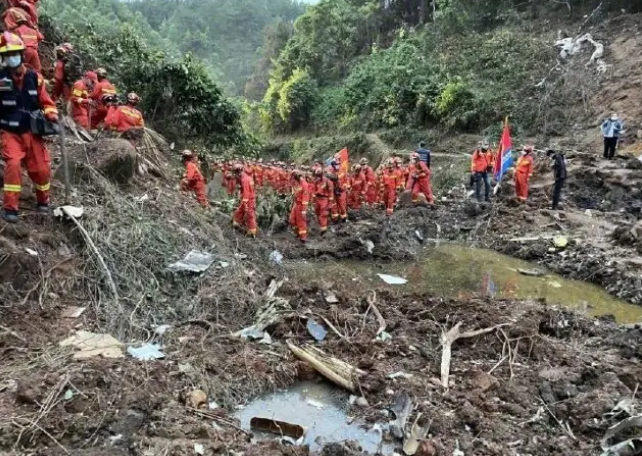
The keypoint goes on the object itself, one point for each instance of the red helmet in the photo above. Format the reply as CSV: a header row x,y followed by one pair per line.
x,y
10,42
133,98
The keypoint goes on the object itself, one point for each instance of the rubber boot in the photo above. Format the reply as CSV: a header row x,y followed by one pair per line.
x,y
10,216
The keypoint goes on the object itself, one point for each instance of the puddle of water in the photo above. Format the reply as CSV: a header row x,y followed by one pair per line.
x,y
452,270
319,407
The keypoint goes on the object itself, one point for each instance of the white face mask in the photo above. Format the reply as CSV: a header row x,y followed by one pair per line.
x,y
13,61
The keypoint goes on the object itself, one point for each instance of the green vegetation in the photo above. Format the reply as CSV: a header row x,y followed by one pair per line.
x,y
450,64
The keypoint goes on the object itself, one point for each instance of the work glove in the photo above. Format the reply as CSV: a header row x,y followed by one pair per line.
x,y
52,117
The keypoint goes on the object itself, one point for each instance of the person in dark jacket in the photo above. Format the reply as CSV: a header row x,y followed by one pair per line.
x,y
559,171
424,154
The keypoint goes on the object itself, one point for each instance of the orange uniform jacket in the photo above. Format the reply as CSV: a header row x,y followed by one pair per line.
x,y
524,165
193,175
482,161
123,118
80,103
247,188
301,192
323,188
30,36
101,88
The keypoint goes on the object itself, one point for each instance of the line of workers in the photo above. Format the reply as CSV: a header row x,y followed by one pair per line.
x,y
331,190
29,103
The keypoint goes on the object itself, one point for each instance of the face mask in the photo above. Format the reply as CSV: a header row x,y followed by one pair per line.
x,y
14,61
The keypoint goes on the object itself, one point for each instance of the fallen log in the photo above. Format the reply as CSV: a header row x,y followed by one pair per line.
x,y
337,371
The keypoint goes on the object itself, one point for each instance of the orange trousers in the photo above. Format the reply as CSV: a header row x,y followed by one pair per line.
x,y
521,186
342,205
371,193
321,209
32,59
422,185
198,188
245,216
355,198
298,221
26,147
389,199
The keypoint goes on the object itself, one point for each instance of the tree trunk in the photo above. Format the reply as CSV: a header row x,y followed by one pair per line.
x,y
423,4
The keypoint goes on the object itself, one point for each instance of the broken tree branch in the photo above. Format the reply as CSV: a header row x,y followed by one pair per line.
x,y
447,340
90,242
371,299
334,370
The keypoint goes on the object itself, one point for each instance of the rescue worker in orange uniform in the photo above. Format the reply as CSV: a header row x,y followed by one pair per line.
x,y
22,91
389,180
300,201
323,191
339,209
103,90
193,180
357,188
126,117
481,166
401,173
369,182
245,215
80,101
523,173
31,37
13,17
59,86
419,180
29,7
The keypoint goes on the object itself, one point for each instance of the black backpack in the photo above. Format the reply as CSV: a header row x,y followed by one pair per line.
x,y
73,69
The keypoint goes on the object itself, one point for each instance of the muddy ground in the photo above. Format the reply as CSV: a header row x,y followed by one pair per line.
x,y
556,378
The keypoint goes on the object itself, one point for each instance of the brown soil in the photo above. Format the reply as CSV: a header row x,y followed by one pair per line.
x,y
555,376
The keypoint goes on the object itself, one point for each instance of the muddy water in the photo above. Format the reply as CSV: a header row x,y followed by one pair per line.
x,y
320,408
452,270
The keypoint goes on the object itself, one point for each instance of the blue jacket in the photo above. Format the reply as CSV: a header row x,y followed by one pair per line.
x,y
424,156
611,128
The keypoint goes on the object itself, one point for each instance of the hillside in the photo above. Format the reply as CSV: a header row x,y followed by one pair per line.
x,y
225,35
150,326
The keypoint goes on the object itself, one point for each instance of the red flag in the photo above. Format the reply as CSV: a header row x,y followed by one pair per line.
x,y
504,157
343,156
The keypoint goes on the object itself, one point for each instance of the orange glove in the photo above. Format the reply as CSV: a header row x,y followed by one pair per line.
x,y
52,117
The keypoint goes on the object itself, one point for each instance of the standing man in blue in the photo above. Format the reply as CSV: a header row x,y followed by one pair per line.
x,y
424,154
611,130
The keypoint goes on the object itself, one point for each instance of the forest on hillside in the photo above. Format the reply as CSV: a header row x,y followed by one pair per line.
x,y
448,64
262,68
224,34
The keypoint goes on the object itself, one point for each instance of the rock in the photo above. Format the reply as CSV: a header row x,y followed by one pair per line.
x,y
426,449
484,382
196,398
28,392
362,402
551,374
